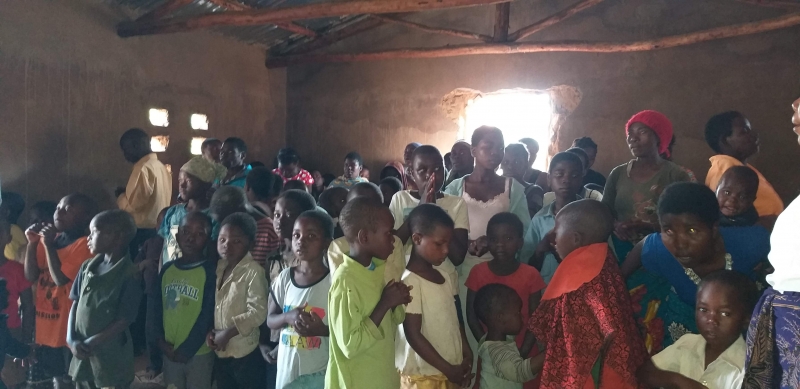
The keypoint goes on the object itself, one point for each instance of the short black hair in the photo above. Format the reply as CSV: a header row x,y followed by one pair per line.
x,y
743,287
208,142
15,204
392,182
584,143
427,150
323,219
424,219
354,156
482,131
294,185
119,221
365,189
327,196
747,175
718,127
256,164
263,182
237,144
509,219
519,150
692,198
198,215
565,157
288,156
493,299
227,200
304,200
580,153
134,135
88,204
360,213
244,222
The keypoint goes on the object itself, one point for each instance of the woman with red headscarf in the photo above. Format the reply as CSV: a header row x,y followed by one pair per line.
x,y
632,192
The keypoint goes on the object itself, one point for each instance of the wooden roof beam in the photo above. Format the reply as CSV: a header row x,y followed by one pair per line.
x,y
782,4
516,48
332,35
501,16
288,14
163,10
436,30
552,19
233,5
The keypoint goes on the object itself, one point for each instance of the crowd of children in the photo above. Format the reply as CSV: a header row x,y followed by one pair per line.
x,y
444,274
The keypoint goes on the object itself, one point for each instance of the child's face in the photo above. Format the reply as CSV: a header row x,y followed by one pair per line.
x,y
211,152
191,187
734,196
352,168
743,141
102,240
232,243
720,318
513,165
364,173
308,240
286,213
461,157
433,247
504,242
408,153
489,151
687,238
68,215
566,240
642,140
380,243
566,179
334,202
289,170
230,156
193,237
512,317
426,165
388,192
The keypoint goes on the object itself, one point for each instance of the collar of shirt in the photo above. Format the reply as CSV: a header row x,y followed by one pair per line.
x,y
352,263
734,355
147,158
240,267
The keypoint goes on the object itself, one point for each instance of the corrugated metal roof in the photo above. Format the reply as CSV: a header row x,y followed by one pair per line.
x,y
268,34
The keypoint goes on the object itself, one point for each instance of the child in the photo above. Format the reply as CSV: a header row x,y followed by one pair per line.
x,y
289,168
183,307
10,346
52,260
499,308
504,232
736,193
364,311
585,317
230,199
148,262
105,301
262,188
389,186
295,185
352,171
194,181
300,305
332,200
715,358
17,290
431,347
566,180
10,210
241,307
289,206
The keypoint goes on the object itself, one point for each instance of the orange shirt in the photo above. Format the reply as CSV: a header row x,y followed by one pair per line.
x,y
52,302
767,200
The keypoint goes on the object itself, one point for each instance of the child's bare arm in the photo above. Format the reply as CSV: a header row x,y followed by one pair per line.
x,y
278,319
633,261
527,344
459,244
472,317
652,376
48,234
31,262
412,327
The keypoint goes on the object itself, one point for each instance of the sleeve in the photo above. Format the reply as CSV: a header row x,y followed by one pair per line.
x,y
75,289
155,307
279,287
205,320
415,306
336,254
396,263
718,166
256,313
130,298
163,229
508,364
610,190
397,210
533,279
349,320
665,360
519,203
652,253
462,218
530,241
76,255
475,279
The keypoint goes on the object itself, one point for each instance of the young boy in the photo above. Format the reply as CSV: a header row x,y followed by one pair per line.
x,y
499,308
566,180
105,295
352,172
736,193
10,210
715,358
585,317
230,199
300,304
364,311
52,260
17,290
389,186
431,347
183,307
241,307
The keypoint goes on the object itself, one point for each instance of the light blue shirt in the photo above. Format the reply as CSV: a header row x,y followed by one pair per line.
x,y
543,222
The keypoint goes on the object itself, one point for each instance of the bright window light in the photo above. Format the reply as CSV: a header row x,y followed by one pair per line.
x,y
159,117
159,143
199,121
519,114
197,145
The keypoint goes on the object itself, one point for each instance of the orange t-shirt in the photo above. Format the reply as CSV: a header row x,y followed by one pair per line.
x,y
767,200
52,302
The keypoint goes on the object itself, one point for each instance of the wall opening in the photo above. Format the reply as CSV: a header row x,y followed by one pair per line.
x,y
159,117
197,145
159,143
199,121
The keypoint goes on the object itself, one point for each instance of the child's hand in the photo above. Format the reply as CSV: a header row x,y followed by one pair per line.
x,y
221,338
547,244
29,359
479,246
466,354
456,373
32,233
310,324
120,190
292,316
48,234
395,293
427,193
265,351
210,340
272,356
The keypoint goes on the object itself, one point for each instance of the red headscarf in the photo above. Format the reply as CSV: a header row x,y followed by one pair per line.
x,y
657,122
397,165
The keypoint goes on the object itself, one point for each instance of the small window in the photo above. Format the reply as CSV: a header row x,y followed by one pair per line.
x,y
199,121
159,143
159,117
197,145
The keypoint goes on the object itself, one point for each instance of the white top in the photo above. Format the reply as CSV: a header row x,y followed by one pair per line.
x,y
688,357
436,304
481,211
501,365
301,355
785,243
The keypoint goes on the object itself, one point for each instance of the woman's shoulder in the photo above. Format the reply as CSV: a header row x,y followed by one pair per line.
x,y
618,170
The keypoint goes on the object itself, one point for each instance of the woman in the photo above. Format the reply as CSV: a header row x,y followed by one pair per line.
x,y
486,194
395,169
289,168
691,246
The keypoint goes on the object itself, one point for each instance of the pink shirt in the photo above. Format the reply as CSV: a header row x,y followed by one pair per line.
x,y
304,176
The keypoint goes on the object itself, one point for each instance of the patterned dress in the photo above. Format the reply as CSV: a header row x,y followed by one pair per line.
x,y
773,342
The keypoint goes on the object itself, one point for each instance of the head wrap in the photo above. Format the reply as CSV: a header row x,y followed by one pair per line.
x,y
657,122
201,168
397,165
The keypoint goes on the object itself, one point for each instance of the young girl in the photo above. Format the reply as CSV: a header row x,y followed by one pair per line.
x,y
300,304
241,301
432,349
505,239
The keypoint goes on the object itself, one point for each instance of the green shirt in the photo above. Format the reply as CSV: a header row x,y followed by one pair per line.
x,y
630,200
361,355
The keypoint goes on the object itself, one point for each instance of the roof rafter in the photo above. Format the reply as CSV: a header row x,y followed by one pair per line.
x,y
233,5
552,19
436,30
163,10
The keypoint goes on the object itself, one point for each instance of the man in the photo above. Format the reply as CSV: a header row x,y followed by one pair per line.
x,y
149,188
211,148
232,156
462,160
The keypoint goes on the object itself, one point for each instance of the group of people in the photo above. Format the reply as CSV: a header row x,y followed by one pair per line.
x,y
444,274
